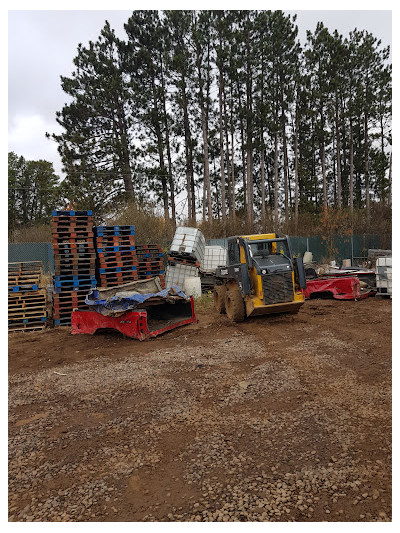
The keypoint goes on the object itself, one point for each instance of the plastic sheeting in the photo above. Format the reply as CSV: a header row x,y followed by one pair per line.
x,y
123,302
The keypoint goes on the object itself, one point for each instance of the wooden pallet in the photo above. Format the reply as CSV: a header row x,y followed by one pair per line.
x,y
27,324
103,231
72,213
110,256
68,249
25,313
24,279
24,273
126,265
113,249
26,327
25,299
25,266
81,271
116,240
112,281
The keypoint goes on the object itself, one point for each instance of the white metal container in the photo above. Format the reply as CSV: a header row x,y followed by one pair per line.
x,y
214,256
192,286
384,275
177,273
383,262
189,242
307,257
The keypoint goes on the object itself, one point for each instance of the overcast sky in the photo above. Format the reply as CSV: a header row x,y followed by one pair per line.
x,y
42,45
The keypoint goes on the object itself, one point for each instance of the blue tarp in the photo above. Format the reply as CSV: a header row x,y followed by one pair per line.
x,y
120,304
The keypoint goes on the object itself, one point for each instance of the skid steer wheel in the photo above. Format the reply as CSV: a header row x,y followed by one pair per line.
x,y
234,304
219,298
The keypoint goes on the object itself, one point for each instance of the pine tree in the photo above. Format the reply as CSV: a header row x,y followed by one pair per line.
x,y
96,146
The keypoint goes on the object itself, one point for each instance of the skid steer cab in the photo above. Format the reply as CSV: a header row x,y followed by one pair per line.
x,y
261,277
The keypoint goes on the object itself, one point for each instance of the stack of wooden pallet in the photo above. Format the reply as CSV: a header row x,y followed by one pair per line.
x,y
74,262
150,262
116,255
26,299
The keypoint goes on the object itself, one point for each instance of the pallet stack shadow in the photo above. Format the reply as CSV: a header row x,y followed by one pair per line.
x,y
150,262
185,256
74,262
116,255
26,299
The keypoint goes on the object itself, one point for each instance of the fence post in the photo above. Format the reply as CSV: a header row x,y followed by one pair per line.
x,y
352,251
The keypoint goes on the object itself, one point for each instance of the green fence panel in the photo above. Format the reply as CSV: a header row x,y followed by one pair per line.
x,y
338,248
32,251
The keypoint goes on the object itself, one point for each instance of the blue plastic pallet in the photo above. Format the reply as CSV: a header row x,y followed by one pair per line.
x,y
77,278
75,283
149,255
62,321
22,288
71,213
113,228
116,269
112,249
28,320
74,288
115,232
152,273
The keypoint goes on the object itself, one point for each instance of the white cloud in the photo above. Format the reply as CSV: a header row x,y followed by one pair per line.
x,y
26,137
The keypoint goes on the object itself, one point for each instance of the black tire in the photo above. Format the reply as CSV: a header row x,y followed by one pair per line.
x,y
234,304
219,298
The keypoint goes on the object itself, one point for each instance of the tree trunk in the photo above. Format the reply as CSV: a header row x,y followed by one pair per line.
x,y
285,169
296,172
390,180
188,154
276,214
249,136
323,167
233,198
204,127
168,146
351,177
262,165
160,148
208,84
366,162
125,166
228,168
222,156
242,145
338,162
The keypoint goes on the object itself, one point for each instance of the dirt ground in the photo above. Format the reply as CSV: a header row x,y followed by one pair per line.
x,y
284,418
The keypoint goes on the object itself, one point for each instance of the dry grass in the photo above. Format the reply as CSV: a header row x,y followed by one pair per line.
x,y
38,233
153,228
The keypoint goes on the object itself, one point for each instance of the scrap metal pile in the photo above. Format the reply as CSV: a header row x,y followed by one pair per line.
x,y
140,310
350,282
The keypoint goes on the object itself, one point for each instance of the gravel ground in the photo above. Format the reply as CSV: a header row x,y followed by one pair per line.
x,y
285,418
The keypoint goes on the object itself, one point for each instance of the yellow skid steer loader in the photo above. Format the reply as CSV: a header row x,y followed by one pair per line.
x,y
261,277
